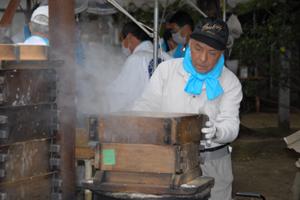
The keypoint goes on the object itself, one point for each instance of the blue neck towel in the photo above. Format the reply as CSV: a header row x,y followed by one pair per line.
x,y
196,79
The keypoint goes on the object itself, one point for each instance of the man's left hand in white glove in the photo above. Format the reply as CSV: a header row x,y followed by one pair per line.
x,y
209,132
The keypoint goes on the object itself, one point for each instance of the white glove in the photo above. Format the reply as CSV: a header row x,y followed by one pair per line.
x,y
209,132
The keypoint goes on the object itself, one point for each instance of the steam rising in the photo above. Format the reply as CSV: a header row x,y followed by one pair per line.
x,y
103,62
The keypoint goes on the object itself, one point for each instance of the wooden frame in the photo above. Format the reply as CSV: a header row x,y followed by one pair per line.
x,y
151,128
22,52
140,158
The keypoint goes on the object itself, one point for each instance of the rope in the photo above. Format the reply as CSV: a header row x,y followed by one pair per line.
x,y
144,27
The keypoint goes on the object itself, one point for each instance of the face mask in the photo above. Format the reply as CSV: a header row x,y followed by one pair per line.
x,y
126,51
178,38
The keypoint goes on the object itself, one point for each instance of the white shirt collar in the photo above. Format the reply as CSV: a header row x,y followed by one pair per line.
x,y
144,46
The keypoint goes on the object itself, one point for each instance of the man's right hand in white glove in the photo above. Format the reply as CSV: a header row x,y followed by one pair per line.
x,y
209,132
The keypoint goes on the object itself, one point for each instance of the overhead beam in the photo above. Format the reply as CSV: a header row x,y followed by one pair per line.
x,y
9,13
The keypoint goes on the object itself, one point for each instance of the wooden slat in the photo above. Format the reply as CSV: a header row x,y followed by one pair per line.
x,y
134,188
188,129
126,129
140,158
84,153
138,178
27,87
33,189
82,137
26,123
46,64
22,52
150,128
189,156
9,13
26,159
7,52
168,180
33,52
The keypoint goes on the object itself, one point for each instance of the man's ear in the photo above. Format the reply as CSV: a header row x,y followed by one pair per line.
x,y
132,38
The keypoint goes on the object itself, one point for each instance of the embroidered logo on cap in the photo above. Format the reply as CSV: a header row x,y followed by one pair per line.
x,y
211,28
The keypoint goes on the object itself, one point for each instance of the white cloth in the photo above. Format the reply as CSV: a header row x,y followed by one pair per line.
x,y
235,30
35,40
132,80
165,93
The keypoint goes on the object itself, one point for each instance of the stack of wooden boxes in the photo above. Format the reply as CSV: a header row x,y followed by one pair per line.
x,y
27,122
152,153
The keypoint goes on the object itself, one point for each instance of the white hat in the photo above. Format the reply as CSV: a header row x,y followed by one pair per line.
x,y
40,15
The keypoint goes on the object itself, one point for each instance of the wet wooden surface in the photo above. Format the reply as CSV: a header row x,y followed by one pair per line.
x,y
28,117
146,148
26,123
150,128
26,87
140,158
25,159
35,188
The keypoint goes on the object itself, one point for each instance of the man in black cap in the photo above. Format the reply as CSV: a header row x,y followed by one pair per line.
x,y
200,83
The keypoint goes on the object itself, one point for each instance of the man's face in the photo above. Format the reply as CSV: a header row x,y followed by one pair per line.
x,y
204,57
126,41
174,27
183,31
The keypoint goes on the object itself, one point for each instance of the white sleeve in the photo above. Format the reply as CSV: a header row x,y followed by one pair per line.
x,y
129,84
227,121
165,56
152,96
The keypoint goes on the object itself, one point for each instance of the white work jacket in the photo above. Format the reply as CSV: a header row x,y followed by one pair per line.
x,y
133,78
165,93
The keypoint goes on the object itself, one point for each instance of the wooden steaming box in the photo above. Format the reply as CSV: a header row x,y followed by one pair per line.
x,y
149,152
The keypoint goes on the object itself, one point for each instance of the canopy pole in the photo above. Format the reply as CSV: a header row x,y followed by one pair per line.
x,y
191,3
155,38
224,10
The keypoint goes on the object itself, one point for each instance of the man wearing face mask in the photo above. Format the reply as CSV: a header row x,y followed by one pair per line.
x,y
137,69
181,25
200,83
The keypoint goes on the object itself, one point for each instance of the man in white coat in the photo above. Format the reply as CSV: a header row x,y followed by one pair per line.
x,y
200,83
137,69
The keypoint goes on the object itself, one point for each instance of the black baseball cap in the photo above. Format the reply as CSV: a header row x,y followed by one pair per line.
x,y
213,32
